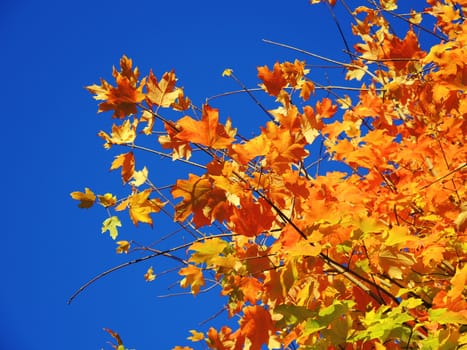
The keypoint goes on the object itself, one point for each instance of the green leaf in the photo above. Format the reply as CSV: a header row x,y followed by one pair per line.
x,y
293,314
111,224
445,316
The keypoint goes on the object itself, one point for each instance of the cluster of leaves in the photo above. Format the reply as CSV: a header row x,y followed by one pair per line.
x,y
371,257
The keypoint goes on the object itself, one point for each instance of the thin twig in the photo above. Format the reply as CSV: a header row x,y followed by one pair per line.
x,y
343,64
166,253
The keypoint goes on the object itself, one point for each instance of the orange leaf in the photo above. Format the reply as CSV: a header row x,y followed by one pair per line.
x,y
193,278
255,147
86,199
252,218
207,132
180,148
273,80
127,162
256,325
123,98
325,108
123,247
195,192
251,289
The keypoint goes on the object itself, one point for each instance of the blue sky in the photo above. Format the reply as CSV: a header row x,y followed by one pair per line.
x,y
50,51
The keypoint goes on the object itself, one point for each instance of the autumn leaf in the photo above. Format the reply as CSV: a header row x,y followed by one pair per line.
x,y
193,278
227,72
111,224
307,88
107,200
205,252
274,80
149,276
207,131
123,134
124,97
196,336
139,177
86,198
141,206
256,325
180,148
163,93
123,247
126,161
194,192
251,218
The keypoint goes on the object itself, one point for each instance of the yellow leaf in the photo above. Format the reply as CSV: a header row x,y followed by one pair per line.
x,y
107,200
196,336
207,250
193,277
123,247
227,72
139,177
111,224
398,234
149,276
86,199
304,248
141,206
389,5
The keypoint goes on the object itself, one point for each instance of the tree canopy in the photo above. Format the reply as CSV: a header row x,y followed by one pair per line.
x,y
367,254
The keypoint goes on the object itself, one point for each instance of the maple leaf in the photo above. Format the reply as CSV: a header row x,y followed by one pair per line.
x,y
306,89
107,200
86,198
139,177
207,131
255,147
126,161
123,134
274,81
111,224
180,148
123,98
149,276
256,325
163,93
205,252
252,218
140,206
196,336
123,247
325,108
193,278
194,191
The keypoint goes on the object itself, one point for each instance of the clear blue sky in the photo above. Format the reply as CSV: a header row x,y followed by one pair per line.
x,y
50,50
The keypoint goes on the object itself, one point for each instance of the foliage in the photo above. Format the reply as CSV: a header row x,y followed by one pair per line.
x,y
370,257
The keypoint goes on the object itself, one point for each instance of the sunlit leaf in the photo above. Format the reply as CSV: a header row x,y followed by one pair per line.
x,y
86,198
111,224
